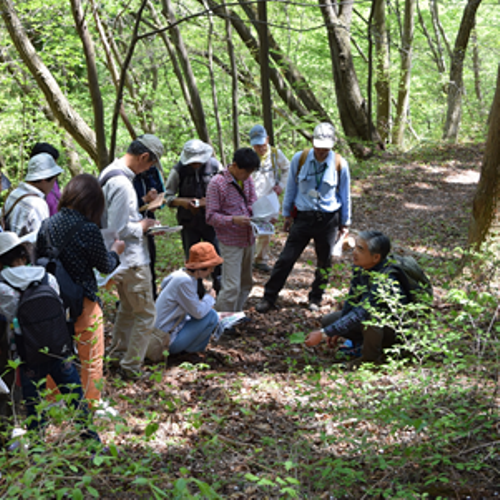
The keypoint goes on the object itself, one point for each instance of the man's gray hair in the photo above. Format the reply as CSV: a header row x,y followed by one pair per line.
x,y
376,242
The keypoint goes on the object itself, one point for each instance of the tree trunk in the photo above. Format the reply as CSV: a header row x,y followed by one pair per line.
x,y
484,224
234,81
93,80
456,85
404,79
296,80
60,106
382,67
436,50
476,63
176,37
361,134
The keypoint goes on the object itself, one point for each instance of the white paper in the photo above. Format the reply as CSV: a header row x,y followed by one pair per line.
x,y
267,207
226,321
164,229
104,279
261,227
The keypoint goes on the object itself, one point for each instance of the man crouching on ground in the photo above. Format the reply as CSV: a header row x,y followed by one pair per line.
x,y
369,257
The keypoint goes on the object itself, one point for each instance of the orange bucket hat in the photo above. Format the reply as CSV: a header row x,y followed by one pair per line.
x,y
203,255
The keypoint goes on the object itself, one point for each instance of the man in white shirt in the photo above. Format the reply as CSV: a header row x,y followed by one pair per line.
x,y
26,208
271,176
136,314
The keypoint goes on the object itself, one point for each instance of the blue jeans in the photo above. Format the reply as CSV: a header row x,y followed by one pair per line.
x,y
195,334
64,374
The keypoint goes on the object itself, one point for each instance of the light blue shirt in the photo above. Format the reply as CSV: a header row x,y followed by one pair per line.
x,y
315,188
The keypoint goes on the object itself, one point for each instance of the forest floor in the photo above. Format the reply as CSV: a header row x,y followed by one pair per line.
x,y
268,418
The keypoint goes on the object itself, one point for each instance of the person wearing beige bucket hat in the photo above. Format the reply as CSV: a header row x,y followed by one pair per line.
x,y
25,208
180,312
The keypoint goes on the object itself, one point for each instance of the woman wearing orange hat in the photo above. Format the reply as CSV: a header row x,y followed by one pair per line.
x,y
179,310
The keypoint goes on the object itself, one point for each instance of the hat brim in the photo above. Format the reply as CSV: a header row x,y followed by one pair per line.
x,y
44,174
203,265
27,238
323,143
258,141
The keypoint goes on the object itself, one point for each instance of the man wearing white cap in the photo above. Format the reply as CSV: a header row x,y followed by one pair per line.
x,y
186,190
136,314
271,176
318,189
26,208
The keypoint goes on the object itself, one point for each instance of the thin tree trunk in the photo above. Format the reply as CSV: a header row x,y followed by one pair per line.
x,y
234,81
93,80
58,103
382,67
476,63
437,52
438,28
486,204
296,80
361,135
456,85
405,75
175,63
222,156
175,34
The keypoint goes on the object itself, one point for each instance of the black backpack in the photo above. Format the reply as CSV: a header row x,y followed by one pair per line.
x,y
42,321
71,292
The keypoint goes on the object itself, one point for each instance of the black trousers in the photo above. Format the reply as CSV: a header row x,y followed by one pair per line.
x,y
322,228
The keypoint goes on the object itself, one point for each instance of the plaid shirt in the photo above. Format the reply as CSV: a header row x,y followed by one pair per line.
x,y
225,200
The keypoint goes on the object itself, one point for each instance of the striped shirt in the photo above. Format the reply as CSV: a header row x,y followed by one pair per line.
x,y
225,199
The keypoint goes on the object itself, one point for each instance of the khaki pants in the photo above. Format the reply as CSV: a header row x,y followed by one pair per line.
x,y
262,248
237,279
135,318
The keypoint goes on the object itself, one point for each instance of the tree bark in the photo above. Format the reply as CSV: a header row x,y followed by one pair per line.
x,y
234,81
405,75
382,84
176,37
484,224
93,80
456,85
361,134
436,51
60,106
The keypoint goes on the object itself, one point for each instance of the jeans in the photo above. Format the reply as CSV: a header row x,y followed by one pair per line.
x,y
195,334
322,228
193,235
64,373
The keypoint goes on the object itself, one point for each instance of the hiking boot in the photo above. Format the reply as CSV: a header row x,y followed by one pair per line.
x,y
262,266
264,306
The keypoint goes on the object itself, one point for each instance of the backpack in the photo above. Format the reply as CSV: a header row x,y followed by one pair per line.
x,y
414,282
5,214
42,321
71,292
116,172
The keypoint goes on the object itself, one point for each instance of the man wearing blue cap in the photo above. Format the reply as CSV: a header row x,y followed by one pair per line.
x,y
271,176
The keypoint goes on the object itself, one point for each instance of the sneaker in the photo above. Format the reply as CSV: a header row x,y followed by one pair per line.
x,y
314,306
264,306
262,266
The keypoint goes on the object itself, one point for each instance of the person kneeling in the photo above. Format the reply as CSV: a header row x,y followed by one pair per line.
x,y
369,258
180,312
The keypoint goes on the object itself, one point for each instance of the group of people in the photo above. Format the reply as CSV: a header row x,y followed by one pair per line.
x,y
106,224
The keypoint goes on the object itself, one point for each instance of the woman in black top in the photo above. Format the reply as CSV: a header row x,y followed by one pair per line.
x,y
82,202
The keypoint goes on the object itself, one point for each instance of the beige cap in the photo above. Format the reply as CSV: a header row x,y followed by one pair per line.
x,y
324,136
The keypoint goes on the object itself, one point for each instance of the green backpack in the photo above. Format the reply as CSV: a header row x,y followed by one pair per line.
x,y
411,276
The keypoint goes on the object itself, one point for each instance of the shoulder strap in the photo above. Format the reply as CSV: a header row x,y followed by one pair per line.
x,y
112,173
274,164
6,214
302,160
338,168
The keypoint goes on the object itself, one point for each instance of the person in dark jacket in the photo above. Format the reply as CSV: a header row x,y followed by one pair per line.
x,y
144,183
186,190
369,257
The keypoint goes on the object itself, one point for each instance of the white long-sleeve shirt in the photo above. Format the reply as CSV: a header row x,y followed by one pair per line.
x,y
178,301
272,172
121,217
